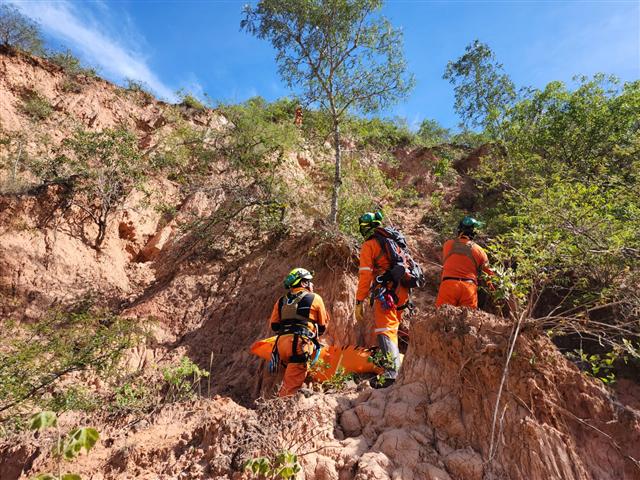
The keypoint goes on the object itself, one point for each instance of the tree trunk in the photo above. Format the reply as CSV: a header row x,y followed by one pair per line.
x,y
337,181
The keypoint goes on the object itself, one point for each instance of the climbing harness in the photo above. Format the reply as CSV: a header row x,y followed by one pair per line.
x,y
294,320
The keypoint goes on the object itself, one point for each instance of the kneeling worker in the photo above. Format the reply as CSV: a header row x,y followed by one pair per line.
x,y
298,318
462,262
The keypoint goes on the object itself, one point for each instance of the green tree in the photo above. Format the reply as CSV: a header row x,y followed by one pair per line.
x,y
564,204
432,133
341,55
107,166
18,31
483,92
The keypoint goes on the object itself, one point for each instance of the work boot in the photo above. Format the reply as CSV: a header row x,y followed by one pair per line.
x,y
307,392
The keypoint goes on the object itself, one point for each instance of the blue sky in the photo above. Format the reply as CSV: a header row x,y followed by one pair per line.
x,y
198,46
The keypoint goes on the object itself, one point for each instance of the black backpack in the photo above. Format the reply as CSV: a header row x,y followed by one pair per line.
x,y
403,270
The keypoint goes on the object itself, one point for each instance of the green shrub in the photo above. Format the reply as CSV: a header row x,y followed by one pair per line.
x,y
365,189
69,85
284,466
73,398
382,134
182,380
107,166
70,64
36,106
35,357
190,101
134,398
431,133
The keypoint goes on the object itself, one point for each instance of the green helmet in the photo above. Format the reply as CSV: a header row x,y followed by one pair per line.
x,y
369,222
296,276
469,224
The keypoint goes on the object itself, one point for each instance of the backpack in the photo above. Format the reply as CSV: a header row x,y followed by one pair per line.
x,y
403,270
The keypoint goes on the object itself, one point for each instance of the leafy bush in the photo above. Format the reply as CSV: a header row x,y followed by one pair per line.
x,y
382,134
107,166
36,106
73,398
33,358
190,101
431,133
69,85
134,398
285,466
182,380
71,64
365,189
338,380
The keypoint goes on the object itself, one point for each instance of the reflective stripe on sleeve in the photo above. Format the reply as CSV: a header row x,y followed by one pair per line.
x,y
365,268
380,330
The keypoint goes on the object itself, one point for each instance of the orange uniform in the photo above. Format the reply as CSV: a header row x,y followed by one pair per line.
x,y
374,262
462,261
304,313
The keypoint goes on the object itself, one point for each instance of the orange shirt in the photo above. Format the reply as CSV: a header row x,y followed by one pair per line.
x,y
465,262
373,262
317,314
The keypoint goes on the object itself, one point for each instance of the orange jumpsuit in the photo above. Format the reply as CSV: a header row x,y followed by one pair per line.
x,y
373,262
318,319
462,260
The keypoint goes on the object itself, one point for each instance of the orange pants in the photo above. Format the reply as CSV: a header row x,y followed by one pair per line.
x,y
457,293
388,321
295,373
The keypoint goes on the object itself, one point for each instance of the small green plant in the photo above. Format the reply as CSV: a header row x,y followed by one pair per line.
x,y
284,467
133,398
190,101
602,366
71,64
384,361
73,398
597,365
69,85
66,447
338,380
36,106
182,380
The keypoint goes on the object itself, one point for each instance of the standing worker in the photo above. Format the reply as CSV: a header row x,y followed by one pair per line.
x,y
298,318
389,298
462,262
297,121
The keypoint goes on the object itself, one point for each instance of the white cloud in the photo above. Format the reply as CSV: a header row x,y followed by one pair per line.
x,y
80,31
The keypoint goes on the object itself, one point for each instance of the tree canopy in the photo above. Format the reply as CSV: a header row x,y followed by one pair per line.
x,y
18,31
339,55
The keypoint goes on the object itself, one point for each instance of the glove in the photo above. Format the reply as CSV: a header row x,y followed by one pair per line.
x,y
359,312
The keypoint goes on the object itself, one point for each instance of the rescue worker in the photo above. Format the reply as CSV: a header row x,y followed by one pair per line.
x,y
462,262
298,116
298,318
387,311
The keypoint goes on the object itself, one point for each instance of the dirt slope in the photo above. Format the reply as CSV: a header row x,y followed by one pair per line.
x,y
212,303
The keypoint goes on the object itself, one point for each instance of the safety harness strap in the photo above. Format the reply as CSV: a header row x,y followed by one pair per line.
x,y
461,248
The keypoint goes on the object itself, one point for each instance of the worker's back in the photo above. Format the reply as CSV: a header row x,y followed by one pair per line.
x,y
462,258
